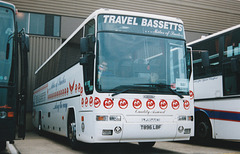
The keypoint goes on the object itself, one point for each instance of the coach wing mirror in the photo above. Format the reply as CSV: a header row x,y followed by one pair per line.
x,y
83,60
86,59
25,42
87,44
84,45
91,42
205,58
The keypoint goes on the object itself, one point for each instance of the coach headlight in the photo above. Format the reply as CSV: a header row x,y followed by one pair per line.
x,y
3,114
108,118
115,118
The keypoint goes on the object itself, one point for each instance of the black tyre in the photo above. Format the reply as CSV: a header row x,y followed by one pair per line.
x,y
39,128
2,145
203,130
72,131
146,145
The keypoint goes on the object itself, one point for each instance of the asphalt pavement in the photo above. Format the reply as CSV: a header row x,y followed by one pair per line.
x,y
35,144
55,144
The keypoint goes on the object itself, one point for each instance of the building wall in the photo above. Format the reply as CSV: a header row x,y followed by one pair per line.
x,y
68,25
41,47
205,16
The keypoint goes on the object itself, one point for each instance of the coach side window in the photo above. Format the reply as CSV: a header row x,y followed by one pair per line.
x,y
231,63
67,56
89,66
206,59
232,44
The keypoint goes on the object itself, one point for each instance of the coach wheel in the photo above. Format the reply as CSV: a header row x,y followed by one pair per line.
x,y
146,144
203,130
40,126
72,132
2,145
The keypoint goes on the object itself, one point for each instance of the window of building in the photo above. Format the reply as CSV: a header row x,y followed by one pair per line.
x,y
36,23
39,24
56,28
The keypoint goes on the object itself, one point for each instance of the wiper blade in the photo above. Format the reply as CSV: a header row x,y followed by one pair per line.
x,y
153,84
119,92
163,85
123,87
176,93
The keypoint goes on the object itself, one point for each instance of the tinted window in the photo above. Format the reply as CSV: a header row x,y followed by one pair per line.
x,y
61,61
231,63
232,44
206,59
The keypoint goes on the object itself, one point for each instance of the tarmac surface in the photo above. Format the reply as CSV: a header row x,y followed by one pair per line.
x,y
54,144
46,144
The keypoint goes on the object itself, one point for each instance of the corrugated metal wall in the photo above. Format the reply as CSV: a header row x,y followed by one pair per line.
x,y
205,16
41,48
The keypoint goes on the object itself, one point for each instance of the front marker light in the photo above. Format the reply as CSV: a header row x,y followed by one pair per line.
x,y
115,118
10,114
190,118
102,118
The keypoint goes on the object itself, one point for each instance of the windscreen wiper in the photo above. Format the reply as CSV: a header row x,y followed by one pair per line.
x,y
163,85
123,87
119,92
175,92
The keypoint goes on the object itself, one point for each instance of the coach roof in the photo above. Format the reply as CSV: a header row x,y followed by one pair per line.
x,y
117,12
